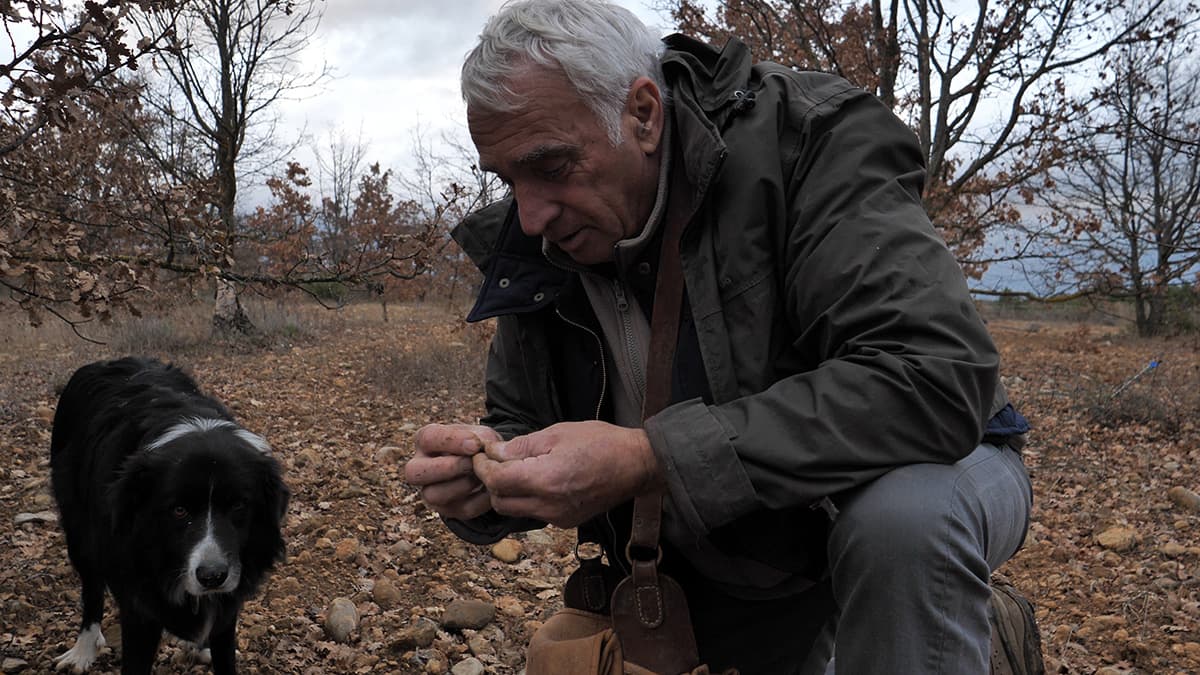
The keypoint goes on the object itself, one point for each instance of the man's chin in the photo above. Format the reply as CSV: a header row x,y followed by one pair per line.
x,y
584,250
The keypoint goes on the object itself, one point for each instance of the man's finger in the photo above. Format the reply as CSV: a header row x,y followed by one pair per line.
x,y
428,470
496,450
452,439
521,447
454,491
472,507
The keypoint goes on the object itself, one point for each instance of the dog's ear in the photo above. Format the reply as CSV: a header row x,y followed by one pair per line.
x,y
129,493
278,496
268,516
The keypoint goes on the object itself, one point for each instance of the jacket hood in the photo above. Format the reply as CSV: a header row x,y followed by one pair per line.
x,y
700,73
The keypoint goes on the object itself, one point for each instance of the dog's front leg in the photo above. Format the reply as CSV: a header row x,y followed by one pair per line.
x,y
223,644
139,643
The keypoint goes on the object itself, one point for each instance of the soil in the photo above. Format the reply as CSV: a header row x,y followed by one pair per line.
x,y
1110,562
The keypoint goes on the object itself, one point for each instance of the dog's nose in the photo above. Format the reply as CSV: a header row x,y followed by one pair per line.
x,y
212,575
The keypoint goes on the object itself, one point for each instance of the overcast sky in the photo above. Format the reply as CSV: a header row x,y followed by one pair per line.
x,y
396,66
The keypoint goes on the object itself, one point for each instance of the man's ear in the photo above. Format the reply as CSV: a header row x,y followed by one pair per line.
x,y
644,106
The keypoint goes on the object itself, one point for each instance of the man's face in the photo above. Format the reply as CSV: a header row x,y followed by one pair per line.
x,y
572,185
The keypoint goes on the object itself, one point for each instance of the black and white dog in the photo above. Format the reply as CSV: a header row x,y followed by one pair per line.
x,y
167,502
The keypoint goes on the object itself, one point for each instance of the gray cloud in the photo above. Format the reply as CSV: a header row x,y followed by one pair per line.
x,y
396,65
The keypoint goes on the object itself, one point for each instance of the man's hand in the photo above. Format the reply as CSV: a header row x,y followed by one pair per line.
x,y
569,472
441,468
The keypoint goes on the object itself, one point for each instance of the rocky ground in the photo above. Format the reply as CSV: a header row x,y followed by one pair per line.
x,y
373,583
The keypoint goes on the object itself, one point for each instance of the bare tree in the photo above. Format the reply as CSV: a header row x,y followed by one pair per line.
x,y
339,165
984,85
1127,219
234,61
445,186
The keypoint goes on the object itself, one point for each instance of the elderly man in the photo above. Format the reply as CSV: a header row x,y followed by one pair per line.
x,y
839,461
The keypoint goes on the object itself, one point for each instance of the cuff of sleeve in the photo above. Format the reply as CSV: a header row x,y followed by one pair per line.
x,y
705,478
490,528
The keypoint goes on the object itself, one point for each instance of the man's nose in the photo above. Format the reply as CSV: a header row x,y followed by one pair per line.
x,y
537,210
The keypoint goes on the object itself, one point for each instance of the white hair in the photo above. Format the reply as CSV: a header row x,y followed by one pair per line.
x,y
197,425
600,47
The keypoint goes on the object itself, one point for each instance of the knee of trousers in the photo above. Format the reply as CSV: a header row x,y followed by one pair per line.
x,y
916,514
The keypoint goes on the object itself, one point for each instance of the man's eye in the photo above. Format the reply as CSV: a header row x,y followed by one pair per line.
x,y
556,171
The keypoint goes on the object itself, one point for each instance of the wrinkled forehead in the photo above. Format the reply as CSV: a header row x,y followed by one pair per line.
x,y
553,121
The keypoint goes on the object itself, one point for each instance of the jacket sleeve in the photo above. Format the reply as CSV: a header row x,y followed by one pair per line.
x,y
900,367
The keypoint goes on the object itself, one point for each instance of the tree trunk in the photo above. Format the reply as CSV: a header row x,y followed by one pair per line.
x,y
229,317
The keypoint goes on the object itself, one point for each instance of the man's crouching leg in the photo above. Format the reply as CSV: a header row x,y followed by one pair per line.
x,y
911,554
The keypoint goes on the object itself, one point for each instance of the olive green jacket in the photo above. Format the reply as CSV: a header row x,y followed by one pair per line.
x,y
835,328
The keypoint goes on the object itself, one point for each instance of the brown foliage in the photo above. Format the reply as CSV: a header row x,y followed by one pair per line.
x,y
986,95
343,430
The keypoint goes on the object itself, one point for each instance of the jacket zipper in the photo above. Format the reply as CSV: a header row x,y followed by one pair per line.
x,y
603,367
631,346
612,530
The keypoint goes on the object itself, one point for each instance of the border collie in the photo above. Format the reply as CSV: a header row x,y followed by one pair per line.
x,y
167,502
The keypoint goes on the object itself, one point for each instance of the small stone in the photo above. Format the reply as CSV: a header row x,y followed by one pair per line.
x,y
1173,549
341,619
346,549
468,666
480,646
473,614
435,661
389,454
385,594
1184,498
286,586
1103,625
1118,539
13,665
307,457
510,606
419,635
507,550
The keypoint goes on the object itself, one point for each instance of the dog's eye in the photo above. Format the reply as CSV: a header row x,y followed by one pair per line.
x,y
179,512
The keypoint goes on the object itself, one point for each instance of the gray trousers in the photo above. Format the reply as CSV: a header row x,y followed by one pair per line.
x,y
910,555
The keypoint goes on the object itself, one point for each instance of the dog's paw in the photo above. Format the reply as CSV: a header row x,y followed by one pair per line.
x,y
80,657
192,651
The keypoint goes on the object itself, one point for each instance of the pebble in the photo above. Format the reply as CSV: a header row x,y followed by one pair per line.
x,y
507,550
474,614
385,594
418,635
1184,498
1173,549
341,619
346,549
1118,539
468,666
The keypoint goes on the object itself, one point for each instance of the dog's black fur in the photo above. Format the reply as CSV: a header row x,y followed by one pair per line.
x,y
165,501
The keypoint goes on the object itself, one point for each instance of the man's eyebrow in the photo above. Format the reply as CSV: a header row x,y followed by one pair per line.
x,y
534,156
547,151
